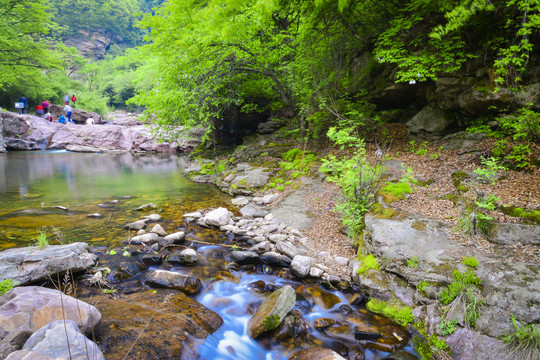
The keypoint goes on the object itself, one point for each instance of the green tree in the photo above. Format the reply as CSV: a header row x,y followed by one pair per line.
x,y
220,54
24,46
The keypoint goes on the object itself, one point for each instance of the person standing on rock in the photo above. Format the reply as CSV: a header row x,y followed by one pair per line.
x,y
25,104
45,105
68,110
66,99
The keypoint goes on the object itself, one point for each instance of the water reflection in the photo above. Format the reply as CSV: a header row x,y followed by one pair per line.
x,y
31,183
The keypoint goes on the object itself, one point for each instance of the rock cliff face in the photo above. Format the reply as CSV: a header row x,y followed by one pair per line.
x,y
91,44
445,105
28,132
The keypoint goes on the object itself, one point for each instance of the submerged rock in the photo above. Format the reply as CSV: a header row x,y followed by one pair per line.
x,y
172,280
245,257
137,225
178,323
146,207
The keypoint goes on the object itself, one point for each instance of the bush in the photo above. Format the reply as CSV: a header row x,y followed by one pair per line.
x,y
358,181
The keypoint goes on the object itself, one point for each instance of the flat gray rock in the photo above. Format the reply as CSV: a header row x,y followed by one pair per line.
x,y
30,264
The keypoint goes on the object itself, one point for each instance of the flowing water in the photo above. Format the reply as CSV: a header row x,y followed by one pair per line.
x,y
34,184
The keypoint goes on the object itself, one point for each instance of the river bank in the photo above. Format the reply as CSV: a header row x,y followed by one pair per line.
x,y
414,237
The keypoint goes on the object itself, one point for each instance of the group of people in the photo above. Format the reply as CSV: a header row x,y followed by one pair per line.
x,y
43,109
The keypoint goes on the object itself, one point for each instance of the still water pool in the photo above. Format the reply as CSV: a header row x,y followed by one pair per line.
x,y
32,183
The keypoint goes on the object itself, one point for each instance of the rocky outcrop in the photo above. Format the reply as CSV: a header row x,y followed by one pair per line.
x,y
31,264
431,123
97,138
28,132
91,44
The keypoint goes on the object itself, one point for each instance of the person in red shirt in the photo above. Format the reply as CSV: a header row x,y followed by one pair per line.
x,y
39,110
45,105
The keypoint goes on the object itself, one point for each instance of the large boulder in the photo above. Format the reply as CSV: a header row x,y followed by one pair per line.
x,y
31,264
273,310
431,123
26,132
53,340
97,138
33,307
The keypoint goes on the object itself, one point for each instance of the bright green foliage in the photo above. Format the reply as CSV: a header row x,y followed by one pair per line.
x,y
461,283
430,345
217,55
397,189
412,262
470,261
489,169
24,49
5,286
524,341
447,327
41,240
358,180
368,262
399,312
422,285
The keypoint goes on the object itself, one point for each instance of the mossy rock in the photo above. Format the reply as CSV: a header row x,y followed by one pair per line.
x,y
529,216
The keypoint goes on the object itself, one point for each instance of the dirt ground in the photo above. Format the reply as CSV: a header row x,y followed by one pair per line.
x,y
521,189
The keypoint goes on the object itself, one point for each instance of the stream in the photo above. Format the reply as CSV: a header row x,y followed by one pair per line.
x,y
34,186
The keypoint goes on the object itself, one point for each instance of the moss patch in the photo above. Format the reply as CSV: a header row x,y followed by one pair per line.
x,y
528,216
394,309
419,225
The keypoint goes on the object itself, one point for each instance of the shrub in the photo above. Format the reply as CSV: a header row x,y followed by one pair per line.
x,y
358,181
